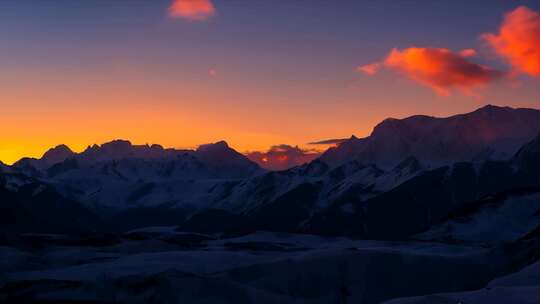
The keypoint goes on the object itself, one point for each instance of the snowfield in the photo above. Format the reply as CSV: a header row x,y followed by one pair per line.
x,y
147,265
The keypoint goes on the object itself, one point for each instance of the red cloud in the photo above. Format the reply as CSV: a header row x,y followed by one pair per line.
x,y
282,157
196,10
438,68
518,40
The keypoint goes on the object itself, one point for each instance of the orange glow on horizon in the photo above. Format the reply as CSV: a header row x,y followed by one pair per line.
x,y
31,132
156,79
173,108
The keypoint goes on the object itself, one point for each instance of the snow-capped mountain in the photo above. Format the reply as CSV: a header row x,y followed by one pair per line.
x,y
432,196
351,179
290,200
364,200
508,215
407,176
120,175
490,132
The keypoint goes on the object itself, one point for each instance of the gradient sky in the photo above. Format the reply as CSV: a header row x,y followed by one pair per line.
x,y
255,73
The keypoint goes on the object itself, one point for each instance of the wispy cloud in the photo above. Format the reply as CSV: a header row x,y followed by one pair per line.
x,y
518,40
282,157
438,68
370,69
194,10
334,141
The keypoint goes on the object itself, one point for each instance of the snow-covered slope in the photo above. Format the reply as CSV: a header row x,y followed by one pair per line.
x,y
507,217
432,196
366,201
490,132
119,175
289,200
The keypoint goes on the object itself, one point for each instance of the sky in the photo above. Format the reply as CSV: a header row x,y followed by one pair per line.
x,y
262,75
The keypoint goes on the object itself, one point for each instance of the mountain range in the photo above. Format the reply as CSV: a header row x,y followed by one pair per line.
x,y
405,165
490,132
454,201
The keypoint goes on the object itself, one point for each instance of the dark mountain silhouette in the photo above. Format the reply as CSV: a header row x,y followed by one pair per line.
x,y
57,154
49,158
4,167
28,205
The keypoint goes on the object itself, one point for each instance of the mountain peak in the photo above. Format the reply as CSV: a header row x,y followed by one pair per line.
x,y
217,146
156,147
492,109
222,143
442,140
117,147
117,143
92,147
57,154
110,150
219,154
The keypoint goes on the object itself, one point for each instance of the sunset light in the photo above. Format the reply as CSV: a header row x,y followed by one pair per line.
x,y
270,151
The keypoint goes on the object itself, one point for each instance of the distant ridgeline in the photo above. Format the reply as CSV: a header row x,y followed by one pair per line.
x,y
408,176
